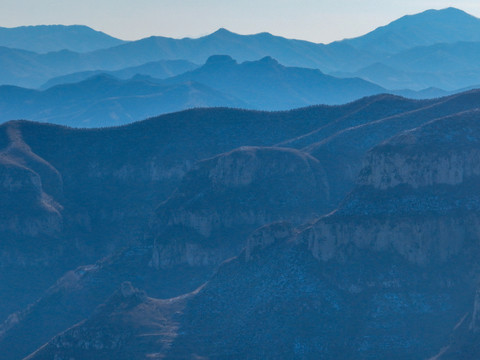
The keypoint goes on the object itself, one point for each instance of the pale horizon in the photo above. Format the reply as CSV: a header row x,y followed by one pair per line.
x,y
302,20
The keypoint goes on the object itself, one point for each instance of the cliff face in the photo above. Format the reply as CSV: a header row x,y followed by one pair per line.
x,y
276,300
267,236
30,194
94,190
104,184
388,274
224,198
416,196
344,153
37,213
28,181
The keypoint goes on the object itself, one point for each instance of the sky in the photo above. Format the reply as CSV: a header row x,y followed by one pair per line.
x,y
313,20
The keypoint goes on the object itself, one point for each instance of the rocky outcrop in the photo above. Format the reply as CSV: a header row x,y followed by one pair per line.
x,y
36,212
224,198
31,214
421,240
267,236
282,302
344,153
31,191
390,270
416,196
444,152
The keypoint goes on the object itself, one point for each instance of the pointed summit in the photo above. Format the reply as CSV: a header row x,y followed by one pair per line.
x,y
222,32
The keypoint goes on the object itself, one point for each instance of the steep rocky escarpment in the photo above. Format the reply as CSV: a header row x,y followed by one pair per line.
x,y
267,236
31,191
416,196
239,182
392,270
31,212
444,151
281,302
343,153
27,210
83,194
107,183
224,198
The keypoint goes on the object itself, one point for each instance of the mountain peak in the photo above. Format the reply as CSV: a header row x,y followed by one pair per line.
x,y
268,60
222,32
220,59
449,13
429,27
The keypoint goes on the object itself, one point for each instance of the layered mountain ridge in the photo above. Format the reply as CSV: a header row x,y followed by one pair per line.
x,y
391,286
387,246
326,232
403,59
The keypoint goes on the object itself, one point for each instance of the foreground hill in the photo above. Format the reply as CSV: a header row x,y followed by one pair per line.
x,y
386,275
112,189
48,38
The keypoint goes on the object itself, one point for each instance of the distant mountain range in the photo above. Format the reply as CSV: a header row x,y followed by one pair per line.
x,y
105,100
436,48
157,69
49,38
267,85
430,27
447,66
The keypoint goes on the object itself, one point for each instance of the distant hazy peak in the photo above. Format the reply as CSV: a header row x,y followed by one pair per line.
x,y
446,11
422,29
52,26
450,14
269,60
220,59
221,32
49,38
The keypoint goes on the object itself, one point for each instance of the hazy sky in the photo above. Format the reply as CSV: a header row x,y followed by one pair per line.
x,y
314,20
